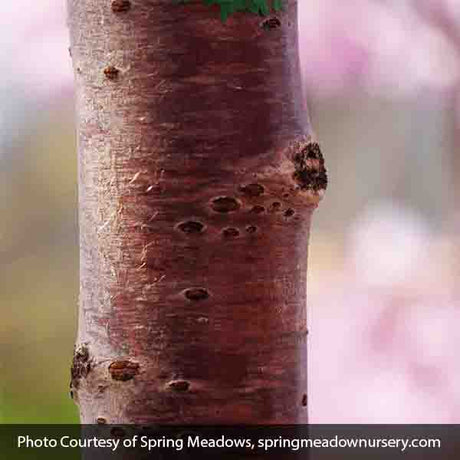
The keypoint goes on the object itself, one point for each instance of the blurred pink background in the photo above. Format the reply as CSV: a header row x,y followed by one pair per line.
x,y
383,84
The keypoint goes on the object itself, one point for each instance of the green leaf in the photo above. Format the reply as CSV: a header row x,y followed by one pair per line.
x,y
277,5
228,7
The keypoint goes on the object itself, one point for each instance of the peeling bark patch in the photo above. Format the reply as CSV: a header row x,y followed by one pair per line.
x,y
81,366
310,172
271,23
304,400
251,229
111,72
196,294
257,209
179,386
289,212
230,233
123,370
119,6
225,204
253,189
191,227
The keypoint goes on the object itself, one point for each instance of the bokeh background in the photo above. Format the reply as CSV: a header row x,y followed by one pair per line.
x,y
383,85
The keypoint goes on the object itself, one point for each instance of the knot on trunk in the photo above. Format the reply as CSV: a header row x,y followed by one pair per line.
x,y
81,367
310,172
123,370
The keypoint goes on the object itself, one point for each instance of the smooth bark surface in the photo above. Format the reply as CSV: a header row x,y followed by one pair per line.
x,y
198,177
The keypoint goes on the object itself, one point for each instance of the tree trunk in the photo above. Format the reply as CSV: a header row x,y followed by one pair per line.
x,y
198,178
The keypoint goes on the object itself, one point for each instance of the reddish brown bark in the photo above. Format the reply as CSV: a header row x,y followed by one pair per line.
x,y
198,177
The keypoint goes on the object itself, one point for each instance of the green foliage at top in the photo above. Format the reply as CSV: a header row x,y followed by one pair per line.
x,y
228,7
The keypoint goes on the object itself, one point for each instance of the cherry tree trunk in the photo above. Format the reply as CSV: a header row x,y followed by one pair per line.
x,y
198,177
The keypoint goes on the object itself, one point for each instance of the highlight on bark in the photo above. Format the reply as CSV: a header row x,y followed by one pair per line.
x,y
199,174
